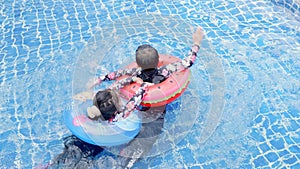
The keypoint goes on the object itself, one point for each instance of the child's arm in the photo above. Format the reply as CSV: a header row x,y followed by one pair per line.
x,y
114,75
187,62
124,82
133,103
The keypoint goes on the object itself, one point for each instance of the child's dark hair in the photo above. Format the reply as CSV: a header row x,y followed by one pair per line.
x,y
107,101
146,57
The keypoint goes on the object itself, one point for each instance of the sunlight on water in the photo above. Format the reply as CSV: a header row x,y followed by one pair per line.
x,y
241,109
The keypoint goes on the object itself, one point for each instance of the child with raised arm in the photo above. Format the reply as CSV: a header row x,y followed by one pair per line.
x,y
106,106
147,59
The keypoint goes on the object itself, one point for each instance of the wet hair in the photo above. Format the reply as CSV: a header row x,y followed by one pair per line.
x,y
146,57
76,154
107,101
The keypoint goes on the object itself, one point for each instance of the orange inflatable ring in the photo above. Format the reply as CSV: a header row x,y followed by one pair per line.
x,y
164,92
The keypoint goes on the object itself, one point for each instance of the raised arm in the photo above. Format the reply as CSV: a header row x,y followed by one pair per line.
x,y
187,62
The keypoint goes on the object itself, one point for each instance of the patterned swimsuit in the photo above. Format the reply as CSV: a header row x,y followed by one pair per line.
x,y
164,71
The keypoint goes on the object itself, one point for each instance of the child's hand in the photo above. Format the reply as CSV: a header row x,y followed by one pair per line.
x,y
138,80
93,113
198,36
149,84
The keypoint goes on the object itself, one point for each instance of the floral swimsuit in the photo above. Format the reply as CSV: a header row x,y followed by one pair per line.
x,y
164,71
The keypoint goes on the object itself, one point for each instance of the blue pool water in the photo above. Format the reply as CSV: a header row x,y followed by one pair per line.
x,y
247,75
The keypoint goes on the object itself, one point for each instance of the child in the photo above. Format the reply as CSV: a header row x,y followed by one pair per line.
x,y
106,103
147,59
106,106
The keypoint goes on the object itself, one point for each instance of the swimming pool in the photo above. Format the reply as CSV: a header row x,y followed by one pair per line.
x,y
255,44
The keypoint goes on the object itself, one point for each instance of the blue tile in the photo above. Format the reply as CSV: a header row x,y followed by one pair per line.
x,y
264,108
270,133
257,135
293,126
231,5
9,159
187,156
266,123
156,162
276,164
264,147
279,129
259,119
291,160
271,157
241,18
201,159
294,148
260,162
294,112
295,166
283,153
210,166
234,11
278,143
260,42
273,118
